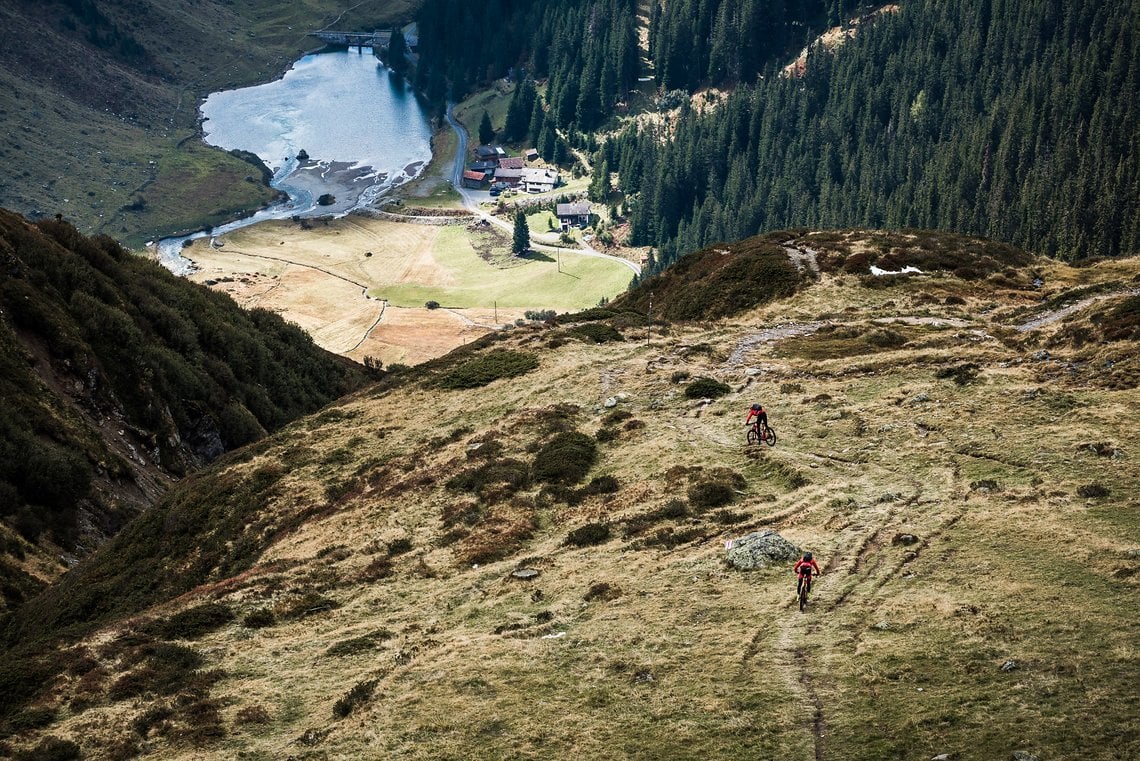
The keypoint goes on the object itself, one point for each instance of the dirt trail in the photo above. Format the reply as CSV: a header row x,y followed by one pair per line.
x,y
1060,314
775,333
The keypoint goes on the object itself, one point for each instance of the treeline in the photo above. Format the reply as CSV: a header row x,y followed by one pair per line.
x,y
181,367
1016,121
721,42
585,50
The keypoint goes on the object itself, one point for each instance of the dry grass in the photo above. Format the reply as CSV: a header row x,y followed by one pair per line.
x,y
899,656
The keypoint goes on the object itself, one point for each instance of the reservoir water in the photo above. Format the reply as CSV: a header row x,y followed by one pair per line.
x,y
362,130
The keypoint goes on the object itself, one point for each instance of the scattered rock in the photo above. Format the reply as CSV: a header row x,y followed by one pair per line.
x,y
611,402
942,757
905,539
525,573
759,550
1042,355
753,371
1009,665
883,626
986,485
643,677
909,556
920,398
1023,755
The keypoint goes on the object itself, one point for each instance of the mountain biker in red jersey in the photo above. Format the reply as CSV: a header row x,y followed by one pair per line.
x,y
804,569
757,411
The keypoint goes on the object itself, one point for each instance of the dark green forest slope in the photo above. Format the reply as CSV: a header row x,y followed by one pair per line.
x,y
1012,120
1017,121
117,376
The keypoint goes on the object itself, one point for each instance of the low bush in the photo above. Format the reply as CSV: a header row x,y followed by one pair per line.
x,y
399,546
706,388
1093,491
961,374
602,591
565,459
680,376
358,645
356,696
602,485
710,494
484,369
588,535
51,749
259,619
493,481
669,537
304,605
596,332
254,714
192,623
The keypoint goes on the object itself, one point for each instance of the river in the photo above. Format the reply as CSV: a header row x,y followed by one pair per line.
x,y
362,130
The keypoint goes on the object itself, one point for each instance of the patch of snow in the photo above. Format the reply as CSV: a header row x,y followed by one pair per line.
x,y
877,272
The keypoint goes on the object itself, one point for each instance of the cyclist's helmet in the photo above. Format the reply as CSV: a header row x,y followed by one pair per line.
x,y
807,556
756,407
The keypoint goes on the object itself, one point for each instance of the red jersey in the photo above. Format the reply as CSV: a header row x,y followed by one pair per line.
x,y
804,567
754,413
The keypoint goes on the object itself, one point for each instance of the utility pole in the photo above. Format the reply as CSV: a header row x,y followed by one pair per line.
x,y
649,321
496,311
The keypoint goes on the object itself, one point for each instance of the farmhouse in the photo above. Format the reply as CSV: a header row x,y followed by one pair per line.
x,y
512,178
473,179
573,214
539,180
512,162
531,154
483,166
490,152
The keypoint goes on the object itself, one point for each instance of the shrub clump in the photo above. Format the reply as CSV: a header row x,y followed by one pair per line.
x,y
193,623
259,619
588,535
566,458
710,494
358,645
706,388
596,332
493,480
51,749
961,374
1093,491
501,363
354,697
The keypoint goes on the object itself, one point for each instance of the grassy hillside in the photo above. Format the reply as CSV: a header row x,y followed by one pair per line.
x,y
119,377
99,104
955,448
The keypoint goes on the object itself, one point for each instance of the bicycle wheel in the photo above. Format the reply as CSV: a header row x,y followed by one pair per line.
x,y
753,436
770,437
803,597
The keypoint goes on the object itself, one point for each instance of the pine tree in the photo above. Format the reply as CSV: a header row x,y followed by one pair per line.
x,y
486,131
521,240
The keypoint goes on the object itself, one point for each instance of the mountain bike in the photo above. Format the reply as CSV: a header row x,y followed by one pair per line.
x,y
805,590
755,436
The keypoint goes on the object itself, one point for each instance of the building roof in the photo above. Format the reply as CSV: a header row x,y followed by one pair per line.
x,y
469,175
540,175
512,162
581,208
509,174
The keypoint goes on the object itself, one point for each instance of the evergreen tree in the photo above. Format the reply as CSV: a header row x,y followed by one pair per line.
x,y
486,131
520,243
